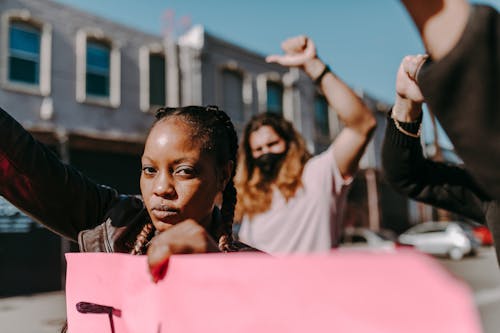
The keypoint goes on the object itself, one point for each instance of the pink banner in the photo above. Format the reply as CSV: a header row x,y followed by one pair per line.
x,y
342,292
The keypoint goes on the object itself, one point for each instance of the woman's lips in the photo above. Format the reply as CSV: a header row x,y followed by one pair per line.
x,y
164,214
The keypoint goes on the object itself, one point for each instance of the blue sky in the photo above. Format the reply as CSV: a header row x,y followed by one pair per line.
x,y
362,40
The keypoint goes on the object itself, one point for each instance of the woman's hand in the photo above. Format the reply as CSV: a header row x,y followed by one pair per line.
x,y
183,238
409,99
298,50
406,80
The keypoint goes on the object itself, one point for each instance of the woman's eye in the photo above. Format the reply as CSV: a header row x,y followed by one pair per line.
x,y
185,171
147,170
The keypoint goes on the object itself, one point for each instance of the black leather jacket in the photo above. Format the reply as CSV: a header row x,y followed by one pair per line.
x,y
64,200
61,198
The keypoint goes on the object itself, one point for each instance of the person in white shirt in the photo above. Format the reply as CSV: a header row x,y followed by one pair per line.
x,y
287,201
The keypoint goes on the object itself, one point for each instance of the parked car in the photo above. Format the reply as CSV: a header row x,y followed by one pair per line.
x,y
453,239
483,234
364,238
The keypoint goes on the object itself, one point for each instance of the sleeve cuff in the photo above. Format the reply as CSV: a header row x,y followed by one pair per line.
x,y
398,138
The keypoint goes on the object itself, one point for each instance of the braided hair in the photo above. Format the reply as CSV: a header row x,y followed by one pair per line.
x,y
216,134
147,232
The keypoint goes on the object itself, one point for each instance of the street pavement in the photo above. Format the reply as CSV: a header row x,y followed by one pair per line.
x,y
46,312
39,313
482,275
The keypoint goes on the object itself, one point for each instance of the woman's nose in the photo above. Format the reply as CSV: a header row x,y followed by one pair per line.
x,y
164,186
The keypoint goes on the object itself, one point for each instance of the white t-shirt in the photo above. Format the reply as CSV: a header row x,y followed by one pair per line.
x,y
308,222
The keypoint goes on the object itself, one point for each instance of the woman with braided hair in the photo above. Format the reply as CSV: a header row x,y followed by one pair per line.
x,y
189,158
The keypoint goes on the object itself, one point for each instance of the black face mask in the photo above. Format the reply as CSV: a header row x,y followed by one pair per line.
x,y
270,164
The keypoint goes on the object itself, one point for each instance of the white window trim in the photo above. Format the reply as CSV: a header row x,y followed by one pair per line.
x,y
246,87
44,86
291,97
114,98
144,53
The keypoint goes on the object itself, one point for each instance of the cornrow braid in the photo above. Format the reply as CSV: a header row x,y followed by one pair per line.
x,y
226,241
229,198
142,238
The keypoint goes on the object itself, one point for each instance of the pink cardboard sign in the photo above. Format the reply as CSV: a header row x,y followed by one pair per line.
x,y
342,292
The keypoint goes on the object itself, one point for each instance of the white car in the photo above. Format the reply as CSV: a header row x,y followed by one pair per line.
x,y
453,239
365,239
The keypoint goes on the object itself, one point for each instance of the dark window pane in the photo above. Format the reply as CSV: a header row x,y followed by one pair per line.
x,y
24,53
98,69
274,97
97,85
232,89
23,70
321,116
157,79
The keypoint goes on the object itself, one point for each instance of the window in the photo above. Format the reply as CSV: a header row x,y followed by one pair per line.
x,y
97,77
232,92
274,97
157,84
321,122
25,64
24,53
97,68
153,77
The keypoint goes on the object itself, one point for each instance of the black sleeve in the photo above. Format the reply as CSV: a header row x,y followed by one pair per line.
x,y
445,186
462,90
33,179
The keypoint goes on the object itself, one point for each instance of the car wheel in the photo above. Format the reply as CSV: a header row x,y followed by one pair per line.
x,y
455,253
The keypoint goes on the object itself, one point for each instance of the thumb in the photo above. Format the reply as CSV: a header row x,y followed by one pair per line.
x,y
158,257
273,58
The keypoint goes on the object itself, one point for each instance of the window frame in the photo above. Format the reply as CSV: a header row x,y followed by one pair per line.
x,y
262,82
97,35
98,70
43,87
280,85
246,91
144,69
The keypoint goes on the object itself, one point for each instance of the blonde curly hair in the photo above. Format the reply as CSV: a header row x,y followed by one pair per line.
x,y
253,190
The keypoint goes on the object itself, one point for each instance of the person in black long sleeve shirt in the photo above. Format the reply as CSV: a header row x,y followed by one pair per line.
x,y
460,82
443,185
